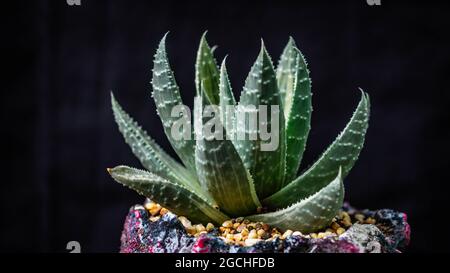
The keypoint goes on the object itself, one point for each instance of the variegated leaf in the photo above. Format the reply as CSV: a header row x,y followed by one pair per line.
x,y
167,95
172,196
344,151
206,72
295,88
222,172
266,167
311,214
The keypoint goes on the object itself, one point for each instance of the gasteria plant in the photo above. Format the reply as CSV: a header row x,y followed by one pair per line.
x,y
224,178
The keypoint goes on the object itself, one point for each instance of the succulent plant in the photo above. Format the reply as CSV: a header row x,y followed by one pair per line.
x,y
222,178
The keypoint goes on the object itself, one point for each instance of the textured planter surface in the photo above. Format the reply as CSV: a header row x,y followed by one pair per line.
x,y
391,233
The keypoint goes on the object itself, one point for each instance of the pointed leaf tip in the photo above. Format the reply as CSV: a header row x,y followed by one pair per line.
x,y
162,44
206,72
263,50
224,61
291,41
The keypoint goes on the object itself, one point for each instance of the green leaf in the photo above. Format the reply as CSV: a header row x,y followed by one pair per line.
x,y
295,88
266,167
206,71
344,151
172,196
222,172
311,214
226,99
286,71
151,156
167,95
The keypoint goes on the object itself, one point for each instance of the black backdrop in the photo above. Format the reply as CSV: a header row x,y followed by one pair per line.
x,y
59,135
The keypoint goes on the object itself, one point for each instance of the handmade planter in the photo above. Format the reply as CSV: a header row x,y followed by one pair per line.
x,y
390,234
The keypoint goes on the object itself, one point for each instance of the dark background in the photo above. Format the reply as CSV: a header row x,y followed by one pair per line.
x,y
61,61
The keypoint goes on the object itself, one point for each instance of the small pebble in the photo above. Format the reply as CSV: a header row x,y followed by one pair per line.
x,y
227,224
238,237
163,211
209,227
138,207
200,228
228,241
250,242
346,220
340,230
240,228
191,230
154,218
185,222
335,225
148,203
287,234
360,217
275,231
252,234
261,233
153,207
244,232
370,220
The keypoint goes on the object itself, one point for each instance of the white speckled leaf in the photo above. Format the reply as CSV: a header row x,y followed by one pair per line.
x,y
295,88
167,95
344,151
172,196
151,156
226,98
206,72
221,171
266,167
311,214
